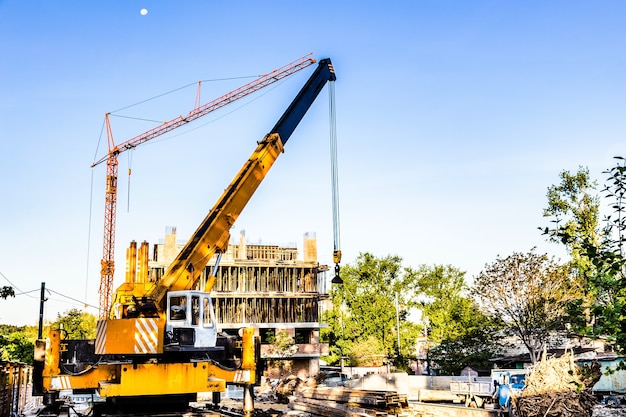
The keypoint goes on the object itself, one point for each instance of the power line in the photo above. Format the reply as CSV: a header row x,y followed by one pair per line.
x,y
71,298
12,284
27,292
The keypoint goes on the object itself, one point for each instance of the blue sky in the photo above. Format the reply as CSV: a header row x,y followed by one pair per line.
x,y
453,118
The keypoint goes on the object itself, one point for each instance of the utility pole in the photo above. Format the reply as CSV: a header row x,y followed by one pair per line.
x,y
398,326
42,299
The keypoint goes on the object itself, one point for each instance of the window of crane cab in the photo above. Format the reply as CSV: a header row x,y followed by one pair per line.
x,y
206,312
195,310
178,308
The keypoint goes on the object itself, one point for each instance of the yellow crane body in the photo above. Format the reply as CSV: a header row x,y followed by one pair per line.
x,y
149,378
139,336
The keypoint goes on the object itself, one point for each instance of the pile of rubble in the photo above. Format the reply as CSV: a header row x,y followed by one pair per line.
x,y
557,387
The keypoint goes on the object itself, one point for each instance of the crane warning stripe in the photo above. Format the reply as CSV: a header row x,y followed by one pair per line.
x,y
242,376
101,338
146,336
60,382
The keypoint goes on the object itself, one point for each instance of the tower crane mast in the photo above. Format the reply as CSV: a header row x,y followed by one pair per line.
x,y
107,263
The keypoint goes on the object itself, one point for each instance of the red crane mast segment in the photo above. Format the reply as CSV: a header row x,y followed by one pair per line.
x,y
107,264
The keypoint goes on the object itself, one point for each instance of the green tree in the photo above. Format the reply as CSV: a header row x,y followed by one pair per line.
x,y
475,348
461,334
6,292
76,324
442,301
615,224
530,293
282,347
597,250
574,207
17,343
364,312
367,352
607,286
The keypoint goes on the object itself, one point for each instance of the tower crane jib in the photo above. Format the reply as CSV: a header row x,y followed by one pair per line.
x,y
108,253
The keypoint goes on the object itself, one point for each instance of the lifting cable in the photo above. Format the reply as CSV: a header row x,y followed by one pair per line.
x,y
334,181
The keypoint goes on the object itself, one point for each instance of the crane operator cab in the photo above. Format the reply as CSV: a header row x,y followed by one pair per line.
x,y
191,323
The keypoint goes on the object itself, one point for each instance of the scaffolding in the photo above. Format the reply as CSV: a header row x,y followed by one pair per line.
x,y
266,279
265,286
253,310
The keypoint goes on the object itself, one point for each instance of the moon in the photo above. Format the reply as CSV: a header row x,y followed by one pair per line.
x,y
143,12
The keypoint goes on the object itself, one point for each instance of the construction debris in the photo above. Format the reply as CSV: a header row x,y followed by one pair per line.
x,y
557,387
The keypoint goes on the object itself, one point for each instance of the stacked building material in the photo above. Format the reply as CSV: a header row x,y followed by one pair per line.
x,y
344,402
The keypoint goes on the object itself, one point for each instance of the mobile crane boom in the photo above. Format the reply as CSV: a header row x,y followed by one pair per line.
x,y
152,348
213,233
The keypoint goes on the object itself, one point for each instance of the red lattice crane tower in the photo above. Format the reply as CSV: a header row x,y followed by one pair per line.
x,y
108,253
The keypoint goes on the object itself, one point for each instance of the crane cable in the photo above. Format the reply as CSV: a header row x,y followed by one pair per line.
x,y
334,181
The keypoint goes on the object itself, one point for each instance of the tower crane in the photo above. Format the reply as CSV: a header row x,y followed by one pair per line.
x,y
107,264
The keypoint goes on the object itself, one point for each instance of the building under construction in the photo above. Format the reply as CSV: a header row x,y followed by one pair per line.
x,y
269,288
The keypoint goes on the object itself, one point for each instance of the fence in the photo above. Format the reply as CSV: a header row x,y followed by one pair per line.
x,y
16,389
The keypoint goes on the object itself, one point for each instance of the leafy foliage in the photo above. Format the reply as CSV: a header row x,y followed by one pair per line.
x,y
597,251
442,302
366,352
530,293
461,333
17,343
282,347
607,286
575,213
6,292
610,256
474,348
76,324
362,323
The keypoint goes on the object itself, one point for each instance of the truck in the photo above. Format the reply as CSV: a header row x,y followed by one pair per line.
x,y
497,388
159,345
472,391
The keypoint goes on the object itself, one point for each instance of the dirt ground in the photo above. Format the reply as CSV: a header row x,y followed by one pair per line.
x,y
262,408
270,409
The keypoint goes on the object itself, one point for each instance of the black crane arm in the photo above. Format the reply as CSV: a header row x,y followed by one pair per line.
x,y
301,104
212,236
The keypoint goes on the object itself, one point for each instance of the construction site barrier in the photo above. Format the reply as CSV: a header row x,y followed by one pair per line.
x,y
16,389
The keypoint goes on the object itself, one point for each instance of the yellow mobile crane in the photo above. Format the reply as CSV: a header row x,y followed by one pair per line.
x,y
160,344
